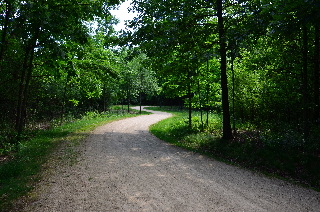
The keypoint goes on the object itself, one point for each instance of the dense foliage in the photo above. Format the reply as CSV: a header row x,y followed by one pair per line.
x,y
261,57
60,59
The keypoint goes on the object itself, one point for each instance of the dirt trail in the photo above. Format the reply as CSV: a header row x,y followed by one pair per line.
x,y
125,168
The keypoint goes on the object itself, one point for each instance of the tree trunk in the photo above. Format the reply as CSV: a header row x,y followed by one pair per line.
x,y
128,101
316,74
140,101
63,106
305,91
207,94
200,100
227,131
5,27
21,96
24,83
140,93
104,98
190,99
200,106
233,95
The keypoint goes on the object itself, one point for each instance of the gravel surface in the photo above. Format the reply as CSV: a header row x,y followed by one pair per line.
x,y
125,168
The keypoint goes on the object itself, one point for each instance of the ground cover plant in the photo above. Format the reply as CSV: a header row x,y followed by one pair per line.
x,y
273,153
21,165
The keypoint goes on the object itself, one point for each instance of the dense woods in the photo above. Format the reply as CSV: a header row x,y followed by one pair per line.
x,y
60,59
268,56
255,62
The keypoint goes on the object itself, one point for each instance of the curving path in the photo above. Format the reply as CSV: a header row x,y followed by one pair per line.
x,y
125,168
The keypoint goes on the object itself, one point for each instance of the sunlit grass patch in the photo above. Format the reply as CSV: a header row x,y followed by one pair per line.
x,y
19,174
199,141
176,129
280,153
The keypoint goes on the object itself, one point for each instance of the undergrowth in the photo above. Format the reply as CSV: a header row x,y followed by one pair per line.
x,y
282,153
21,163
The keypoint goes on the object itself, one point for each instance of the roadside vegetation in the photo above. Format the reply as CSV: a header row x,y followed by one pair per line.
x,y
21,164
275,153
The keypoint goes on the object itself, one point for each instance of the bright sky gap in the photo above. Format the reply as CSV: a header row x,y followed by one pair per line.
x,y
122,14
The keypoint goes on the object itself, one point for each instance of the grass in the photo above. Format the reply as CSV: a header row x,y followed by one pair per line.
x,y
275,154
19,174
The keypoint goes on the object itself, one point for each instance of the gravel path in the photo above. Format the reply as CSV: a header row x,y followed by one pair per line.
x,y
125,168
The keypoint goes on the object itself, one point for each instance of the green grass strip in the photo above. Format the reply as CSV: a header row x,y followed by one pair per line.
x,y
249,151
19,175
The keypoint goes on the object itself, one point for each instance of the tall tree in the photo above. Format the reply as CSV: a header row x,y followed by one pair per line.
x,y
172,33
227,131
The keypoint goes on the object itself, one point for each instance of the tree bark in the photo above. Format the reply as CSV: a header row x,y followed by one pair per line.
x,y
104,98
227,131
24,83
128,101
200,106
233,95
140,93
4,31
190,99
207,94
316,74
305,92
